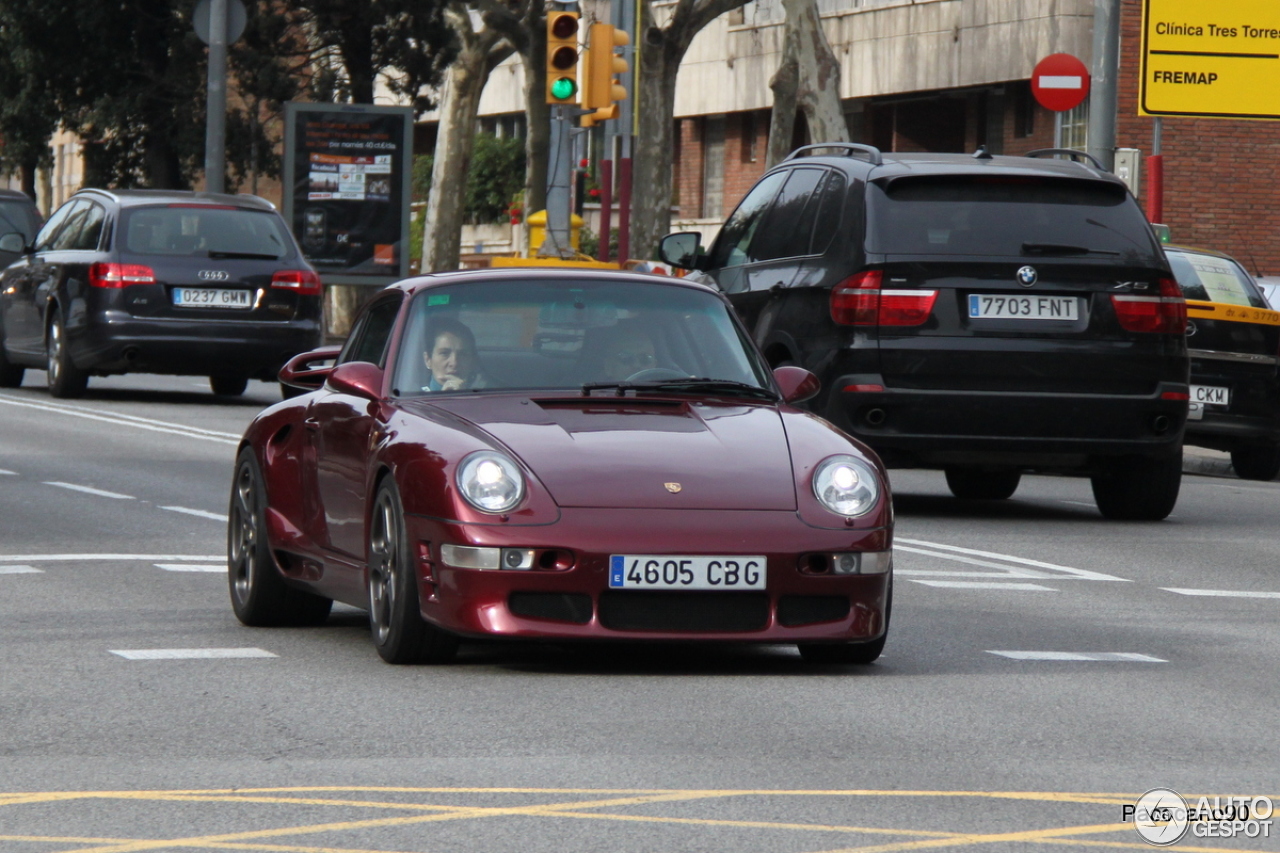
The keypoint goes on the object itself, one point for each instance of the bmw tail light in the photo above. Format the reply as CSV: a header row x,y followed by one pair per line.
x,y
120,275
1165,313
303,282
859,301
855,300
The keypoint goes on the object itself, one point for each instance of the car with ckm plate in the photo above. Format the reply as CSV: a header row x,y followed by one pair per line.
x,y
984,315
158,281
559,454
1233,336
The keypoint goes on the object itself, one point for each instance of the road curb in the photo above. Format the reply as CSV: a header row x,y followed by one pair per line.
x,y
1207,465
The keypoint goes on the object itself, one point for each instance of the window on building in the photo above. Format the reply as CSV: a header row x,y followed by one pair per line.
x,y
713,167
750,146
1073,127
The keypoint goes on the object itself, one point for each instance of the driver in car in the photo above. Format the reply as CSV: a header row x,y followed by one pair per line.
x,y
628,351
451,357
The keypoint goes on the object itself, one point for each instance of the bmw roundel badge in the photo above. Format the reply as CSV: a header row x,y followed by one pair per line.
x,y
1027,276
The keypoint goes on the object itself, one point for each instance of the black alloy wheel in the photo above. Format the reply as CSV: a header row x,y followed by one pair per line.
x,y
65,379
983,484
400,634
1256,461
1139,488
259,594
228,386
860,653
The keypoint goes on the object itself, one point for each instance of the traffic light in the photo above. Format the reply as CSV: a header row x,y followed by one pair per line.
x,y
562,57
603,91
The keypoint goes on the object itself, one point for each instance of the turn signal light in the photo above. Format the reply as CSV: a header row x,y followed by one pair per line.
x,y
1165,313
859,301
120,275
304,282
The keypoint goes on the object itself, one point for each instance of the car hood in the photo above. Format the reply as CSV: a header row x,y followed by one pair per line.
x,y
646,454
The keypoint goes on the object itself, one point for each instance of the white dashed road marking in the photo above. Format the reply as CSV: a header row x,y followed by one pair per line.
x,y
1222,593
191,567
91,491
190,654
198,513
1009,566
4,473
1079,656
20,570
985,585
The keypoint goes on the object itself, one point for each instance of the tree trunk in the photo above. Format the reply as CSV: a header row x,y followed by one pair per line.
x,y
661,51
808,79
455,142
538,118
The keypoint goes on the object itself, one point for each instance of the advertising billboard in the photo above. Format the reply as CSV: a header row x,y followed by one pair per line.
x,y
346,189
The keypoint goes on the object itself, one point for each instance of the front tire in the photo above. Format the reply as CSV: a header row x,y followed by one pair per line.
x,y
400,634
1256,461
1139,488
65,379
260,596
983,484
228,386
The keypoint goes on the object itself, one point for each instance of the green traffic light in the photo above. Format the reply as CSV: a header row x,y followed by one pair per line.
x,y
563,88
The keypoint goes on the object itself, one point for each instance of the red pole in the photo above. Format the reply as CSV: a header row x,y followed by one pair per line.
x,y
1155,188
624,210
606,208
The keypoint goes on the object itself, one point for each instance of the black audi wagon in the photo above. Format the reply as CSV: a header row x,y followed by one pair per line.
x,y
983,315
157,281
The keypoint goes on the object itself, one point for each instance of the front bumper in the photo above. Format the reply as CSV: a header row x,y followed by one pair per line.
x,y
577,603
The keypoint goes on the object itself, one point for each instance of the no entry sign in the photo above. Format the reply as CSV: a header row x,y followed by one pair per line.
x,y
1060,82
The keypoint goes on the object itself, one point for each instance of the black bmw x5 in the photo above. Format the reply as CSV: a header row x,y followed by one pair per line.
x,y
157,281
984,315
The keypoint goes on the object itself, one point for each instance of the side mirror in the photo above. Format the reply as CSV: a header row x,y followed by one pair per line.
x,y
357,378
683,250
13,243
309,370
796,383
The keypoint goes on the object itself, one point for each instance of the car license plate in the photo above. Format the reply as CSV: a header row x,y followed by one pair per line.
x,y
991,306
212,297
651,571
1211,395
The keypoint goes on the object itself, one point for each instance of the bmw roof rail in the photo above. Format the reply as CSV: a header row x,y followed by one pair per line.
x,y
1078,156
851,149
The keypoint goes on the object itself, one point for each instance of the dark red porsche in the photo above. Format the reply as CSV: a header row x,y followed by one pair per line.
x,y
559,454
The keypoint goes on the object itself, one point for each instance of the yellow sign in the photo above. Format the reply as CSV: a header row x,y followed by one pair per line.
x,y
1211,59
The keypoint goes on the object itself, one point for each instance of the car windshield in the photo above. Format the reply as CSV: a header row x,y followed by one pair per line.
x,y
575,335
1007,215
1213,279
195,230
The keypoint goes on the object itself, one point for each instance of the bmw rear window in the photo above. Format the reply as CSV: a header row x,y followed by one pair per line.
x,y
204,231
1007,215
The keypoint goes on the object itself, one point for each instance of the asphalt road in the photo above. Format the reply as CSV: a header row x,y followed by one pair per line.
x,y
112,517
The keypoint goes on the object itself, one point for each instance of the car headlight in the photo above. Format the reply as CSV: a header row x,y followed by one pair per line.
x,y
846,485
491,482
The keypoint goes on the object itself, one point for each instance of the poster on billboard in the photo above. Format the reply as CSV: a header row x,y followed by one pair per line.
x,y
346,196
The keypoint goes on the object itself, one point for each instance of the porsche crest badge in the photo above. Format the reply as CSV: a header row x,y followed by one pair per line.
x,y
673,488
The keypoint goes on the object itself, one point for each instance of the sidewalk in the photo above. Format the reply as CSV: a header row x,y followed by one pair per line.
x,y
1200,460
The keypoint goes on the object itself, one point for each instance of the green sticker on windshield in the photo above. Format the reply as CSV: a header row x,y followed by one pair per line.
x,y
438,299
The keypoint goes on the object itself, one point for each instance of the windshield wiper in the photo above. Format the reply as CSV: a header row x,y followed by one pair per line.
x,y
247,256
1061,249
692,384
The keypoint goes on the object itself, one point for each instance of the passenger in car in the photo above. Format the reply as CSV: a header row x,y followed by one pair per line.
x,y
451,357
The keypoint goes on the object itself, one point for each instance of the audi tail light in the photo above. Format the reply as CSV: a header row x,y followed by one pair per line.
x,y
120,275
1166,313
860,301
302,282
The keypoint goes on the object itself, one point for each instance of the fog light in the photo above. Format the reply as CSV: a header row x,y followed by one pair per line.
x,y
517,558
845,564
467,557
862,563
